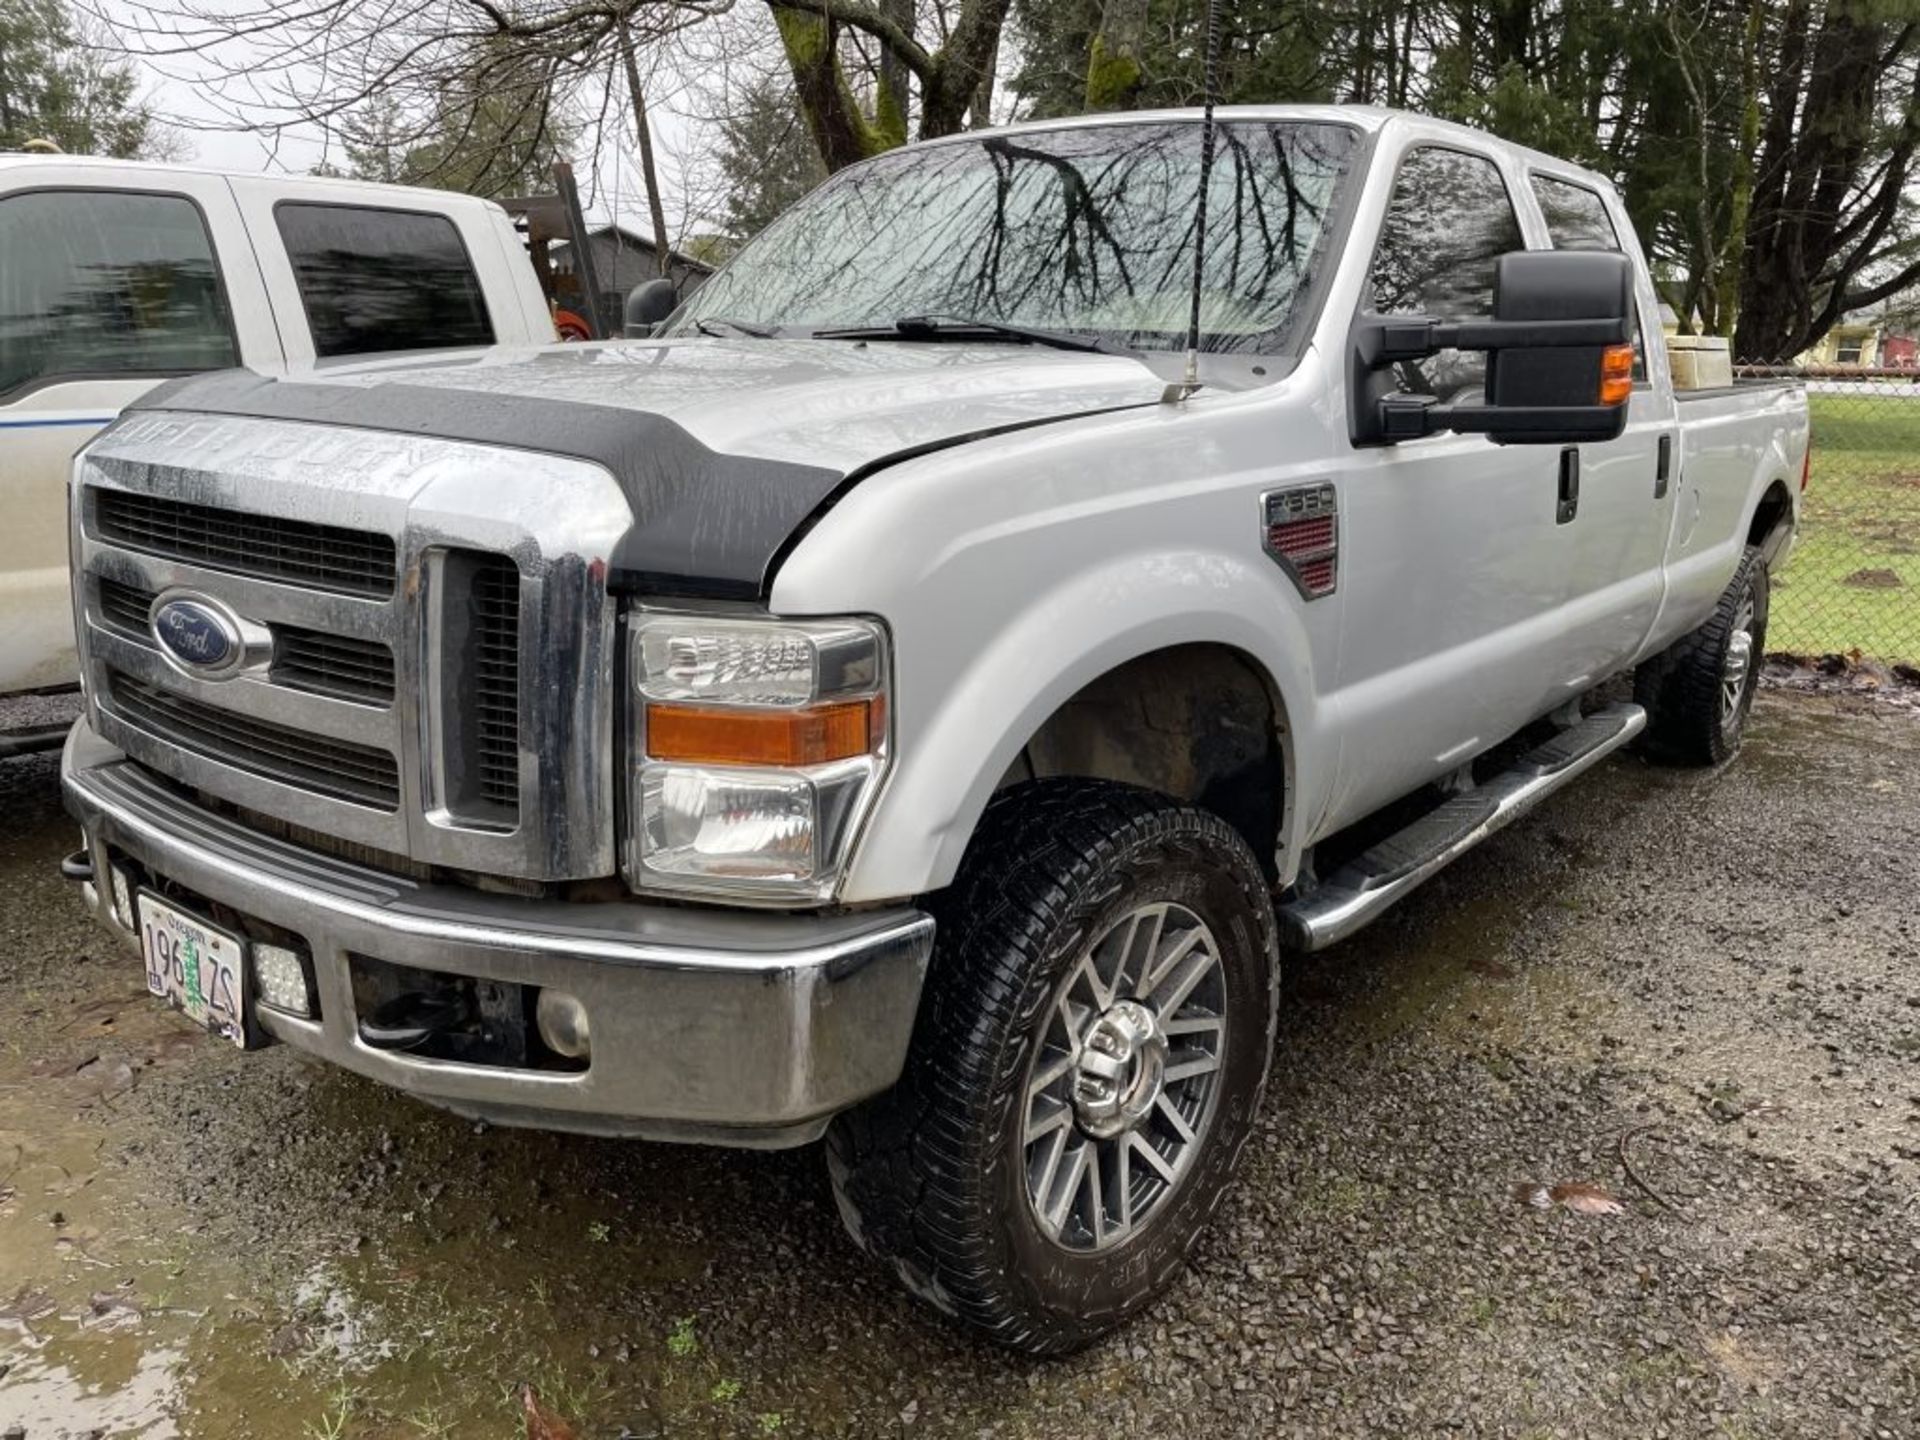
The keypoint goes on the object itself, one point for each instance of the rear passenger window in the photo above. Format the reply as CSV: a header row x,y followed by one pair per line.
x,y
99,283
1449,220
1577,219
379,280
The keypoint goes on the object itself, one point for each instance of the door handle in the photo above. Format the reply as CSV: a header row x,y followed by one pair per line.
x,y
1569,485
1663,468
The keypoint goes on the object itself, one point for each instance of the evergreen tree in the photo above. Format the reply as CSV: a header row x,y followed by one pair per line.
x,y
766,159
56,85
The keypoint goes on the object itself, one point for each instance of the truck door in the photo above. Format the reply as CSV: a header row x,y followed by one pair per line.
x,y
1455,550
113,281
1617,538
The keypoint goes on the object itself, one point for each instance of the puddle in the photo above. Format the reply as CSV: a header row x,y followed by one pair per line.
x,y
47,1396
346,1266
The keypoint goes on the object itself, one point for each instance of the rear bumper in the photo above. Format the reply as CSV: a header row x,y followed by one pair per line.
x,y
727,1027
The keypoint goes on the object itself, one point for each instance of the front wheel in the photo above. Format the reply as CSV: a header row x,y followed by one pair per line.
x,y
1089,1057
1699,691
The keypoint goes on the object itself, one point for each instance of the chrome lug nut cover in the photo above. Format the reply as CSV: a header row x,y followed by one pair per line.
x,y
1120,1072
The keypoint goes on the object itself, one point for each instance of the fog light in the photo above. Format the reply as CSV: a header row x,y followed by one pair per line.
x,y
562,1021
122,897
280,979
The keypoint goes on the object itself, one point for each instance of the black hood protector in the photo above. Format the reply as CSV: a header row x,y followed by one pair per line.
x,y
705,523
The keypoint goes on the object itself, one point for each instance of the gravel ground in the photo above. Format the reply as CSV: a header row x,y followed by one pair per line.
x,y
1717,977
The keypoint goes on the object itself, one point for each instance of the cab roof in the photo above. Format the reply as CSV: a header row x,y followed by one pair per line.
x,y
14,164
1369,119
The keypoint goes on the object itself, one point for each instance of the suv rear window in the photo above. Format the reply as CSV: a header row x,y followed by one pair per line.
x,y
103,283
378,280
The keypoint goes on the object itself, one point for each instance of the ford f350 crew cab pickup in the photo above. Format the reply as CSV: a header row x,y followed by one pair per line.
x,y
118,274
902,701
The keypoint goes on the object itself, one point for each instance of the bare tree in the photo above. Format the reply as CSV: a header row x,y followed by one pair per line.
x,y
521,68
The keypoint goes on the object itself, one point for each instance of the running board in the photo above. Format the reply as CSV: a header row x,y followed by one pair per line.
x,y
1362,889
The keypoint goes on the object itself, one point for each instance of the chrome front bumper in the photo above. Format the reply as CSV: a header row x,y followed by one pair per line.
x,y
709,1025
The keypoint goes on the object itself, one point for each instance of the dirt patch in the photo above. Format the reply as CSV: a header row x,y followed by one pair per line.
x,y
1875,580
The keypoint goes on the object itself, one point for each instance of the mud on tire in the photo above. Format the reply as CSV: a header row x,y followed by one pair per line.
x,y
1072,893
1699,691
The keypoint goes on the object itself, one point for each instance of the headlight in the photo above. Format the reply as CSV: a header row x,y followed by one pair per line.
x,y
757,748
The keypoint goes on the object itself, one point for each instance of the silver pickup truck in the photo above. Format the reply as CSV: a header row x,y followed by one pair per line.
x,y
917,696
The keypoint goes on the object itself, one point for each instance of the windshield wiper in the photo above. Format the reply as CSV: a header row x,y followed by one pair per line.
x,y
932,327
711,325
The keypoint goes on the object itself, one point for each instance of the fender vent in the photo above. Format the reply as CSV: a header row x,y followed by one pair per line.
x,y
1303,536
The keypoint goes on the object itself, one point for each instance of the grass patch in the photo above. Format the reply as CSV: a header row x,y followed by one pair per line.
x,y
1854,579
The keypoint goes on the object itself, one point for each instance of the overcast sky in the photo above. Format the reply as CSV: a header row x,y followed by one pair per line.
x,y
608,173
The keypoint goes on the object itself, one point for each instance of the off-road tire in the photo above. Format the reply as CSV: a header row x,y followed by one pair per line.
x,y
1682,688
931,1178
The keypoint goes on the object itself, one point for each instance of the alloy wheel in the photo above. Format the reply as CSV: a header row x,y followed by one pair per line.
x,y
1122,1089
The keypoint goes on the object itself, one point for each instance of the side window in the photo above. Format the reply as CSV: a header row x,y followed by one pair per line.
x,y
1577,219
377,280
1449,220
103,283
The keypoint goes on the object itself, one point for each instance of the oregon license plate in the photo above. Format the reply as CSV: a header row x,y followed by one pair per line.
x,y
194,967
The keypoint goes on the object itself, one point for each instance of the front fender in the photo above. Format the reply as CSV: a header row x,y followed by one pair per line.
x,y
965,725
1016,570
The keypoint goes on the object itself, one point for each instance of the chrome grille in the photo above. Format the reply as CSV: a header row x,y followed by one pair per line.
x,y
337,665
300,552
125,607
359,773
442,687
496,672
343,666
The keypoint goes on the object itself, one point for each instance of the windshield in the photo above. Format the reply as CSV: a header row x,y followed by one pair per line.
x,y
1088,230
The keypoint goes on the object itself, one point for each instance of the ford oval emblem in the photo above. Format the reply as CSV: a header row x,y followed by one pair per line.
x,y
196,634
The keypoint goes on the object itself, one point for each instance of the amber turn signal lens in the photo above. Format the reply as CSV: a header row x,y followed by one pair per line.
x,y
702,736
1616,374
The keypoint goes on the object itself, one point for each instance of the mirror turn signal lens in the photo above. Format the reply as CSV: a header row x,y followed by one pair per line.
x,y
701,735
1616,374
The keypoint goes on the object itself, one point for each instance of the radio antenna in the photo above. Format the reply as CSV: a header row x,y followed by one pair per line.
x,y
1190,381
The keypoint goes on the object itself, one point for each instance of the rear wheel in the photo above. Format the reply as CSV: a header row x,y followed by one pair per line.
x,y
1699,691
1089,1057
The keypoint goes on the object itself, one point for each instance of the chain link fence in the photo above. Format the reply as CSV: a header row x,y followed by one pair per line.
x,y
1852,586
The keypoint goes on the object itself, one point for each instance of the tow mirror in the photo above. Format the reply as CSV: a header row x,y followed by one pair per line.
x,y
647,305
1559,365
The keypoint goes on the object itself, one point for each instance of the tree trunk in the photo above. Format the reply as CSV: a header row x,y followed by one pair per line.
x,y
1114,73
1511,33
950,81
948,88
892,108
657,210
1740,199
840,132
981,109
6,96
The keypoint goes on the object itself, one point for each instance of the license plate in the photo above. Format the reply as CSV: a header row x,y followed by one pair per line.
x,y
194,967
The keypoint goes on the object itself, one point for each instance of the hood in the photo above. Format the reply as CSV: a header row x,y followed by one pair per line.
x,y
724,448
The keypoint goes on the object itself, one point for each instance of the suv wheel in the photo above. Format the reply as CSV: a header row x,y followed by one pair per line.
x,y
1699,691
1089,1057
